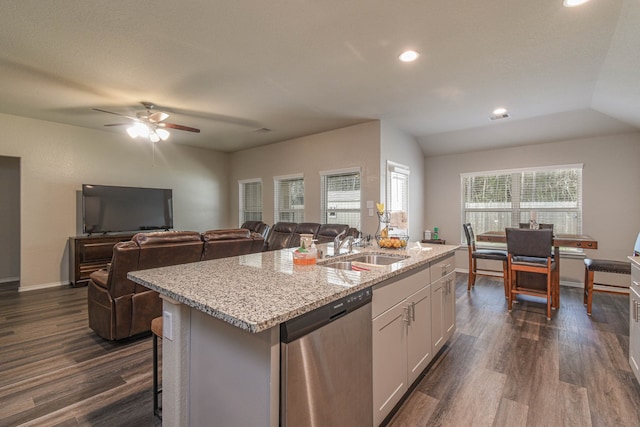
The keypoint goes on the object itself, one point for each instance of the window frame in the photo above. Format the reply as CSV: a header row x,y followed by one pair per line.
x,y
517,208
277,209
398,170
241,200
325,210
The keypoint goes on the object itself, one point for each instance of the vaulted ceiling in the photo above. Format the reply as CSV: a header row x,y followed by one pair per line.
x,y
249,73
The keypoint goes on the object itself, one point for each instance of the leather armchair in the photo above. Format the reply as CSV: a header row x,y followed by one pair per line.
x,y
231,242
119,308
257,227
328,232
280,236
303,228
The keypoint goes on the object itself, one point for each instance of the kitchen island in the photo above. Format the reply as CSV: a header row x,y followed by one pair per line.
x,y
221,342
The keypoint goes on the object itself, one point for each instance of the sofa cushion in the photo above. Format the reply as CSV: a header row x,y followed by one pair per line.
x,y
232,233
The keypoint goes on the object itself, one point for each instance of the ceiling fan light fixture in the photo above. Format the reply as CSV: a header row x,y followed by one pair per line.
x,y
573,3
153,137
163,134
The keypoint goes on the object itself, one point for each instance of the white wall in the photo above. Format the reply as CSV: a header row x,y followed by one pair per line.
x,y
353,146
399,147
10,219
611,179
57,159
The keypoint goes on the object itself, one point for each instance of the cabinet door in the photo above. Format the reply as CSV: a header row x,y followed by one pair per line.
x,y
419,337
449,305
437,316
389,360
634,330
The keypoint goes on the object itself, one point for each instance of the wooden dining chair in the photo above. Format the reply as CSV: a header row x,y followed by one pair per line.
x,y
530,251
476,254
556,275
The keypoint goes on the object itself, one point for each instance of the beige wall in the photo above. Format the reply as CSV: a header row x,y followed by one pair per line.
x,y
398,147
611,178
10,216
57,159
354,146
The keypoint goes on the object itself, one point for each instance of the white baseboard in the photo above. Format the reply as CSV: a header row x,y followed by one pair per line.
x,y
42,286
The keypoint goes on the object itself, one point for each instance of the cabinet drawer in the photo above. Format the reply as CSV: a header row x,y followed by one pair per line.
x,y
95,251
442,267
392,291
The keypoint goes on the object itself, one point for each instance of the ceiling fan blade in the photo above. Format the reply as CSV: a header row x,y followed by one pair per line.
x,y
118,124
157,116
117,114
178,127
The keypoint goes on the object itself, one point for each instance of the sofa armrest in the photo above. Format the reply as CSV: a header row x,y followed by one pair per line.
x,y
100,277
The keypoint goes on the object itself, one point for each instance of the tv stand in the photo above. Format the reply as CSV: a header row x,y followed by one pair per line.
x,y
91,253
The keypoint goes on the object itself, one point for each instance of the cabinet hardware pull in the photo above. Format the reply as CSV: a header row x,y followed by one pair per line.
x,y
413,311
636,310
405,315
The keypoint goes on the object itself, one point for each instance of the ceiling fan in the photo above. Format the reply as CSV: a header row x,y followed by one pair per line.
x,y
149,124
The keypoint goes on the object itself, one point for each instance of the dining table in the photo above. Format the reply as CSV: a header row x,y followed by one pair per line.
x,y
580,241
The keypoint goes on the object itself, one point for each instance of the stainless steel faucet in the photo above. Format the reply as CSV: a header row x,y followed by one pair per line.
x,y
339,243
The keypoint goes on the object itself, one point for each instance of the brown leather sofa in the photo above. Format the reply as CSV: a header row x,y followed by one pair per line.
x,y
256,227
119,308
287,234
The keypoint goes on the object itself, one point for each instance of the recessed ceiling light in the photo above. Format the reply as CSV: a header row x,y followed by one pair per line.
x,y
573,3
409,56
499,113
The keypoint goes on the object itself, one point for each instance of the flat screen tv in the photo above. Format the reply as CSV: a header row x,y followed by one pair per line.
x,y
109,209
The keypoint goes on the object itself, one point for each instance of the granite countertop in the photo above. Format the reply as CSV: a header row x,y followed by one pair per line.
x,y
259,291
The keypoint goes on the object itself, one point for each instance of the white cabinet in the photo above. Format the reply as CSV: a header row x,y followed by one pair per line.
x,y
419,352
401,338
443,300
634,321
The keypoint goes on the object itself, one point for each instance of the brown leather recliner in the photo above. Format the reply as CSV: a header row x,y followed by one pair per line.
x,y
119,308
303,228
328,232
280,236
231,242
257,227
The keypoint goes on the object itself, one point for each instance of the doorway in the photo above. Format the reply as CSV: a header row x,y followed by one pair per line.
x,y
9,222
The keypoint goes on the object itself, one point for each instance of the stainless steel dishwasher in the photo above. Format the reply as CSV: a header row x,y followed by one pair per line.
x,y
326,369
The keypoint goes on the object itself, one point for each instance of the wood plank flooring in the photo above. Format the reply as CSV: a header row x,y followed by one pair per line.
x,y
54,371
519,369
499,369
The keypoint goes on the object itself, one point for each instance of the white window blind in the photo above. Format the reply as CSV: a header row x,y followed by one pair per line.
x,y
250,200
398,196
340,192
497,200
289,199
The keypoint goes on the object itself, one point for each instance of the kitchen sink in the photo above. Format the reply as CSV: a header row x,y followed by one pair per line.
x,y
340,265
355,262
378,259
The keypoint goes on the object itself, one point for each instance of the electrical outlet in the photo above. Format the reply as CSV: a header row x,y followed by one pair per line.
x,y
369,204
370,212
167,325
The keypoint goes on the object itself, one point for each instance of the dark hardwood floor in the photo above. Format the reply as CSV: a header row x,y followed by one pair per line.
x,y
499,369
519,369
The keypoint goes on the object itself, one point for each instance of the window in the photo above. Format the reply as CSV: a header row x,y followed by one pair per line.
x,y
398,197
250,200
289,199
340,192
500,199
